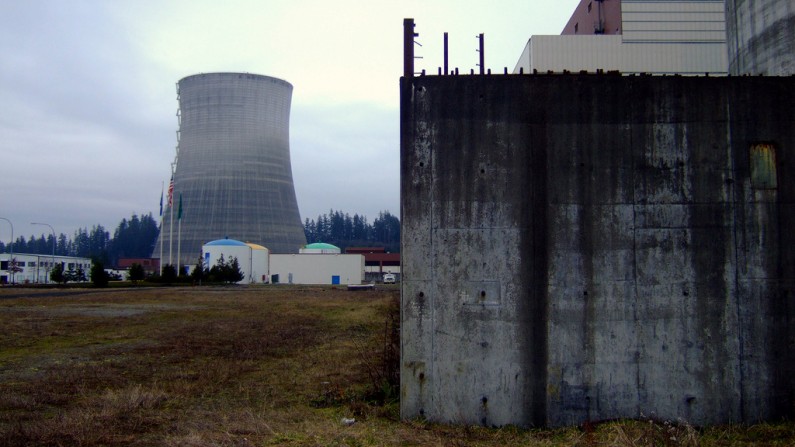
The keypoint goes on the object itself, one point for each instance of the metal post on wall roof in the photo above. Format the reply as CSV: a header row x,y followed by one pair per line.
x,y
446,70
480,38
408,47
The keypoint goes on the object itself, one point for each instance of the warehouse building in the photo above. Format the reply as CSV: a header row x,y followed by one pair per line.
x,y
35,269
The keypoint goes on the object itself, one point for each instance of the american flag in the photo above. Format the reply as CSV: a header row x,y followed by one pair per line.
x,y
170,191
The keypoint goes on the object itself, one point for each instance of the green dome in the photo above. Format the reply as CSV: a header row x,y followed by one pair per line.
x,y
321,246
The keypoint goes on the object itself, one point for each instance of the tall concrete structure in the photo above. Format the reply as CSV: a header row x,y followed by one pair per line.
x,y
761,37
232,167
588,247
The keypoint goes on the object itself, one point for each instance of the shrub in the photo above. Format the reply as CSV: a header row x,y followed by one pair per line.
x,y
98,275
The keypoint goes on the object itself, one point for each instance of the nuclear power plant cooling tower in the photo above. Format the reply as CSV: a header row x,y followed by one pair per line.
x,y
232,168
761,37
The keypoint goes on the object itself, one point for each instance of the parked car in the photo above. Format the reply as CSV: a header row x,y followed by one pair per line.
x,y
389,278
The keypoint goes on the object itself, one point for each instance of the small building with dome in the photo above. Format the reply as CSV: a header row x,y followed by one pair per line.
x,y
320,248
317,263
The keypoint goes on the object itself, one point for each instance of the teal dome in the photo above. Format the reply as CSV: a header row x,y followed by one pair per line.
x,y
321,246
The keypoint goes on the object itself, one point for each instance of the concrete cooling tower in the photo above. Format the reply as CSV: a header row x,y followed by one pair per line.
x,y
232,167
761,37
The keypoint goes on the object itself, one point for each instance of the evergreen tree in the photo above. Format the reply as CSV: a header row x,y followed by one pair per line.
x,y
342,230
137,272
133,238
99,240
226,270
21,245
169,274
63,247
99,277
57,274
233,272
200,272
218,271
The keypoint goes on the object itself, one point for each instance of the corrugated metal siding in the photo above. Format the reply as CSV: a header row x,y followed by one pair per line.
x,y
524,60
673,21
591,53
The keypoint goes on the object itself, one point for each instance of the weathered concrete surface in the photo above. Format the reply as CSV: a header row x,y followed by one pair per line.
x,y
591,247
761,37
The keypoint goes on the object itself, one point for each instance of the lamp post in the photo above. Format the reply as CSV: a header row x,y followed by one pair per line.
x,y
12,247
52,264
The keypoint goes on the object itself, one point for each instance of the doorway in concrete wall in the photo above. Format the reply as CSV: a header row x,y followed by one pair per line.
x,y
335,279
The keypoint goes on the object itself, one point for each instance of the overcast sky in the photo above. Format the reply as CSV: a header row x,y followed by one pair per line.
x,y
88,102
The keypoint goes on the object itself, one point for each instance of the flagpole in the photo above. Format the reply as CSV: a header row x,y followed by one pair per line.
x,y
160,231
171,222
179,235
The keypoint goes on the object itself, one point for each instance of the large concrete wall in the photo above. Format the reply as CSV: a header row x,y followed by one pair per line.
x,y
583,247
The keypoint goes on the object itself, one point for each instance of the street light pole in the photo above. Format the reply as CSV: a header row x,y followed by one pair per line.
x,y
12,247
52,265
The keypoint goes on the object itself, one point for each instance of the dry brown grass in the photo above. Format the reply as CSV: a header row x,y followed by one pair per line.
x,y
242,366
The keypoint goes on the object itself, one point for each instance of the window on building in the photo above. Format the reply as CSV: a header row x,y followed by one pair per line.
x,y
576,27
589,6
763,166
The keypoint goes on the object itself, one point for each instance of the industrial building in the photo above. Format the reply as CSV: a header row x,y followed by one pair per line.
x,y
35,269
151,266
635,36
334,269
316,264
585,247
232,172
253,259
377,262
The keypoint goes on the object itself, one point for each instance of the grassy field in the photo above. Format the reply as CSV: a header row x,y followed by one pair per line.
x,y
242,366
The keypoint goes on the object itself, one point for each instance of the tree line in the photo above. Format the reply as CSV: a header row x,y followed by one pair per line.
x,y
133,238
343,230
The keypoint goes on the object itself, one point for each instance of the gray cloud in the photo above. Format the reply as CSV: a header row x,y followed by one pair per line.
x,y
88,101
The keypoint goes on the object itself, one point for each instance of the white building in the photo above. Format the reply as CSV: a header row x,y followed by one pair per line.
x,y
259,264
252,258
656,37
317,268
320,248
35,269
319,265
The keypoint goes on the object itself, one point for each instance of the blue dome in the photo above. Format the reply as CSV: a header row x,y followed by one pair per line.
x,y
227,243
